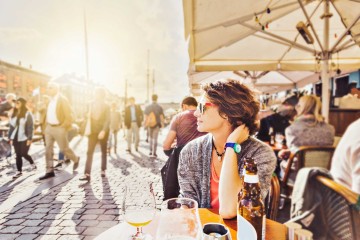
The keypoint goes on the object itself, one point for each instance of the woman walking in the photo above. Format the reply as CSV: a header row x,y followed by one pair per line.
x,y
21,133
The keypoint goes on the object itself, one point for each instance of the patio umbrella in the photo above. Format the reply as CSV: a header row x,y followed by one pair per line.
x,y
274,35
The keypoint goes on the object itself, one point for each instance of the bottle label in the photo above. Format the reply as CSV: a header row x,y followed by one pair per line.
x,y
247,230
251,178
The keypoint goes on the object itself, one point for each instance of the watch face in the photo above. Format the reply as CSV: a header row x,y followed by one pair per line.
x,y
237,148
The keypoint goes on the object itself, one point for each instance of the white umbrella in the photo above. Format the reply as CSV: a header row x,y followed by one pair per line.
x,y
258,35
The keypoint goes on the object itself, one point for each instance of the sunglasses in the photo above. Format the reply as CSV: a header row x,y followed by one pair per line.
x,y
202,106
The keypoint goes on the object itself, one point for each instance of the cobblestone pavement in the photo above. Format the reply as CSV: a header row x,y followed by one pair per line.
x,y
66,208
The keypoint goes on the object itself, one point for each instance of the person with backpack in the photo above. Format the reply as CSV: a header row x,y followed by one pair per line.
x,y
154,119
20,134
133,119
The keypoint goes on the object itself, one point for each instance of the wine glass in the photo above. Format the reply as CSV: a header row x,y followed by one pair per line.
x,y
139,206
179,219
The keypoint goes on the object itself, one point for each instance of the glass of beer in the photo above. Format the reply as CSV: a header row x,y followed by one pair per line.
x,y
139,206
179,219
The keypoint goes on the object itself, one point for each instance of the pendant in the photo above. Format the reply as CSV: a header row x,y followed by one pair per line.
x,y
219,158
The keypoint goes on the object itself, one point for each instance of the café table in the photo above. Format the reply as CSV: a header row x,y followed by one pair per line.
x,y
274,230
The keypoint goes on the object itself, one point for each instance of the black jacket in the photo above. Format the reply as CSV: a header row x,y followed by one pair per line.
x,y
138,113
278,122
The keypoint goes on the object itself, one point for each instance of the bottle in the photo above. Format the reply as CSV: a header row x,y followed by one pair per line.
x,y
272,136
251,206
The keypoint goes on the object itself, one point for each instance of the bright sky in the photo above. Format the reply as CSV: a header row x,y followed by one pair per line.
x,y
49,35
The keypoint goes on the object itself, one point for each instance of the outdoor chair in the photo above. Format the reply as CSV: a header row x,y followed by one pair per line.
x,y
341,210
273,198
306,156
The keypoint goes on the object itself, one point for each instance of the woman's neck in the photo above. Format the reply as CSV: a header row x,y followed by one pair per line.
x,y
220,138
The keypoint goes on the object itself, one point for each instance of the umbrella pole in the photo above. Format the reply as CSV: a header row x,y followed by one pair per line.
x,y
325,65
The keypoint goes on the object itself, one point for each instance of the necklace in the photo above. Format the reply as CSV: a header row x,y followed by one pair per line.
x,y
219,155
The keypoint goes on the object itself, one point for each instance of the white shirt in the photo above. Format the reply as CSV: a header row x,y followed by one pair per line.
x,y
51,117
345,165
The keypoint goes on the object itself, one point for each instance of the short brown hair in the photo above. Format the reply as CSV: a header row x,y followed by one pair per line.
x,y
191,101
236,101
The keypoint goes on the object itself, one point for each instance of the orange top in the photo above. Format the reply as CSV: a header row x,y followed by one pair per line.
x,y
214,188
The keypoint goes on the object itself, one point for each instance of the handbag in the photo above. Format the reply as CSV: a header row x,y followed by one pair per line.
x,y
169,176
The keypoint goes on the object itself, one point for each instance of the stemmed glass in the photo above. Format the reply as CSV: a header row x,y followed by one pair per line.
x,y
179,219
139,206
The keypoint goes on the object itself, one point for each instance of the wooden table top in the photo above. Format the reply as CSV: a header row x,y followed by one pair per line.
x,y
274,230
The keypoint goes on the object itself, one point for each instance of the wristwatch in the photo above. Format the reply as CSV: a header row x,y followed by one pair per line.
x,y
235,146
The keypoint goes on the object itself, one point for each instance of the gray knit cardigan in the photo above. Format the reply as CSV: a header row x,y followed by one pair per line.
x,y
194,167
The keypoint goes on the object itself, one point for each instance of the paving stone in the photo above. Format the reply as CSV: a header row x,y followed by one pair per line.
x,y
13,222
53,216
72,230
89,217
36,216
48,237
94,231
17,215
25,210
31,230
92,206
50,230
69,223
89,223
11,229
107,224
32,223
106,217
94,211
27,237
49,223
9,236
41,210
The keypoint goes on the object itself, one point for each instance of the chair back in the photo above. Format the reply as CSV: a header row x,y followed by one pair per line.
x,y
273,198
341,209
308,156
315,156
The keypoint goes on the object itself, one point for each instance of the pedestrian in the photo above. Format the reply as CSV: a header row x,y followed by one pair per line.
x,y
115,126
154,119
7,105
21,133
99,117
133,119
58,122
183,127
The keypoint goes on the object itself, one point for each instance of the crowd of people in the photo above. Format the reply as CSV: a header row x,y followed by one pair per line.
x,y
101,124
207,142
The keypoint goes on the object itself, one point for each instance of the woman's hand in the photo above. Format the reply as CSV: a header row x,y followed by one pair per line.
x,y
101,135
239,135
28,142
284,154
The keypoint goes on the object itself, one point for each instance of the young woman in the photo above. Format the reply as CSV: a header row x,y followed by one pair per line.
x,y
308,129
21,133
210,166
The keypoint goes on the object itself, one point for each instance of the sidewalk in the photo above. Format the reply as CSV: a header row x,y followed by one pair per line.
x,y
64,207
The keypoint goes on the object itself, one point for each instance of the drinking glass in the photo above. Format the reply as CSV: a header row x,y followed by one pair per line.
x,y
179,219
279,138
139,206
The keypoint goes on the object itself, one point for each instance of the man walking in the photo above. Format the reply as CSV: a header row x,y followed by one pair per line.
x,y
99,117
58,121
154,119
133,120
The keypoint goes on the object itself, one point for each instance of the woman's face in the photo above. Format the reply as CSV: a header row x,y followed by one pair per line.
x,y
208,117
17,105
